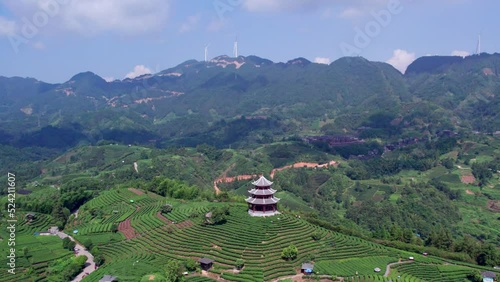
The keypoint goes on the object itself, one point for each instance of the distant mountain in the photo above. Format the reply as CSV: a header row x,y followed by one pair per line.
x,y
197,100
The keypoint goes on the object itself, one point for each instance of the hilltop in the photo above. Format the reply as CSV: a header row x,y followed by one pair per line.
x,y
196,100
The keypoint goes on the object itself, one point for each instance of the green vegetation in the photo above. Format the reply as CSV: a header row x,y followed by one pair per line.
x,y
421,180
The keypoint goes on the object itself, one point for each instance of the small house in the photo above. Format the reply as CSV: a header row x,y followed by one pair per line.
x,y
307,268
108,278
488,276
30,216
377,269
206,263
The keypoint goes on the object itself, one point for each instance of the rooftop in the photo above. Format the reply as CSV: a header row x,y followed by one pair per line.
x,y
489,274
108,278
205,261
307,265
262,191
262,182
258,201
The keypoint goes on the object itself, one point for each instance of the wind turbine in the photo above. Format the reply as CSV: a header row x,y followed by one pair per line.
x,y
478,48
235,48
206,52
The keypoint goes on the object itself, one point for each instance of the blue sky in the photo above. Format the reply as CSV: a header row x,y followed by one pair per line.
x,y
52,40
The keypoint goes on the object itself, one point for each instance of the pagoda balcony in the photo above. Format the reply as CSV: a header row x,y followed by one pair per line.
x,y
259,201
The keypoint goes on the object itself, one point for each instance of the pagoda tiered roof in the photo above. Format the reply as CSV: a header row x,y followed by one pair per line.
x,y
262,182
260,201
262,192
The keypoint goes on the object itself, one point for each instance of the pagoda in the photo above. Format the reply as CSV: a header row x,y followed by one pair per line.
x,y
262,201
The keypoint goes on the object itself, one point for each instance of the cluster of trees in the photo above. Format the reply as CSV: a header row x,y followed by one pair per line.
x,y
289,253
420,209
483,171
66,270
218,216
98,256
173,188
68,244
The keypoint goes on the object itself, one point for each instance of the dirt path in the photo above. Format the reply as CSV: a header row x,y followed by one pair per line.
x,y
89,264
224,179
388,268
469,192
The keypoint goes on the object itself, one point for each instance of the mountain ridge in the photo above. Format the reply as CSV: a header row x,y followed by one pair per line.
x,y
299,97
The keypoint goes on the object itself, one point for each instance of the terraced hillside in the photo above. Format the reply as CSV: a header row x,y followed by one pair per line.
x,y
258,241
41,251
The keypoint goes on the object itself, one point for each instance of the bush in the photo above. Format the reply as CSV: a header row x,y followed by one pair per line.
x,y
316,236
190,265
289,253
239,263
88,244
71,245
166,208
65,242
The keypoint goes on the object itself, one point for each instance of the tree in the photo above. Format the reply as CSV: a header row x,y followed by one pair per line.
x,y
114,228
71,245
190,264
219,215
289,253
239,264
316,236
65,242
173,270
88,244
166,208
26,252
475,276
99,259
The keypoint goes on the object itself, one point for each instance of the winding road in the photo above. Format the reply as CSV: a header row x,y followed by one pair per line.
x,y
225,179
388,268
90,265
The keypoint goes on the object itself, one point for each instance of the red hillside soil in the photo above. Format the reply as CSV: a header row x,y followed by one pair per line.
x,y
302,164
494,205
163,218
224,179
468,179
136,191
127,230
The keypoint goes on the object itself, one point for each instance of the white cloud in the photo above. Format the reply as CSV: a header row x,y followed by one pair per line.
x,y
401,59
96,16
460,53
39,45
281,5
352,9
7,27
109,78
322,60
359,9
138,71
351,13
190,23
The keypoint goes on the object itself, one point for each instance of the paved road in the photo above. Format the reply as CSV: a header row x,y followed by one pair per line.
x,y
388,268
81,251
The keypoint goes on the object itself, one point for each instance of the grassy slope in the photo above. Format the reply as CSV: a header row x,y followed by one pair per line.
x,y
258,241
